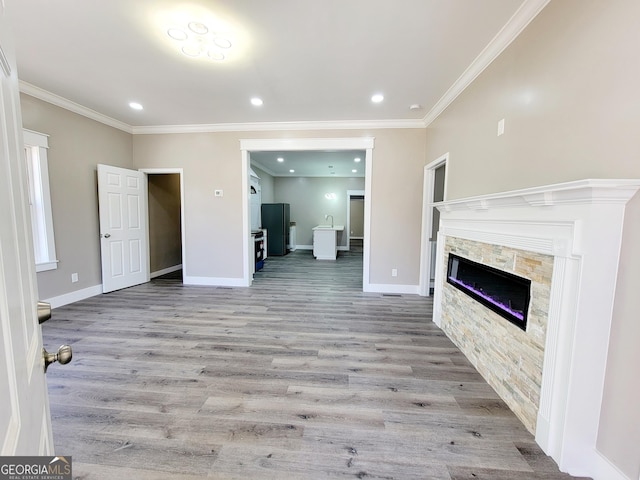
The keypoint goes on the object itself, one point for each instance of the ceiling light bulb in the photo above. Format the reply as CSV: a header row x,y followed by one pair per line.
x,y
222,42
199,28
192,50
292,171
377,98
256,101
357,159
177,34
135,105
213,55
354,171
280,159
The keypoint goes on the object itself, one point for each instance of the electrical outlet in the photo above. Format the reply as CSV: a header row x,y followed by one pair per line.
x,y
394,272
74,277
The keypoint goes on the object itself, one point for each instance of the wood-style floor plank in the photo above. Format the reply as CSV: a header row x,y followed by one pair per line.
x,y
300,376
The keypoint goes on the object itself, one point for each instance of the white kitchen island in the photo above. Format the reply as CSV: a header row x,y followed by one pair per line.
x,y
325,241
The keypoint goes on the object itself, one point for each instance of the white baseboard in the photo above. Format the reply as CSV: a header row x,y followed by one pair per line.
x,y
214,281
605,470
164,271
391,288
72,297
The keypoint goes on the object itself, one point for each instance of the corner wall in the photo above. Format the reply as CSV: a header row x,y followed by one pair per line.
x,y
76,146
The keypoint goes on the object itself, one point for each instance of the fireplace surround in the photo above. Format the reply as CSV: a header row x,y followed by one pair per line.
x,y
570,235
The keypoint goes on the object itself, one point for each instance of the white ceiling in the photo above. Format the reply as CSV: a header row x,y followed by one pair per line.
x,y
309,60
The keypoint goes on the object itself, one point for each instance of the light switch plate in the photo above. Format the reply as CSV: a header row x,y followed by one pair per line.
x,y
218,193
501,127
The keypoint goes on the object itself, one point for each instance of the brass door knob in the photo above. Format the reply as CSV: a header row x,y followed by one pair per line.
x,y
63,356
44,311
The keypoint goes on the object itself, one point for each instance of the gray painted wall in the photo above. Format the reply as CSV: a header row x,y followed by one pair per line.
x,y
76,146
567,88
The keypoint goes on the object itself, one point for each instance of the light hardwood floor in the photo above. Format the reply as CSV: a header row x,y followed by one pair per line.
x,y
300,376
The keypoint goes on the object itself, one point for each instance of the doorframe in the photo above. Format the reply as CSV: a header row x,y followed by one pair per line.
x,y
305,144
179,171
352,193
428,190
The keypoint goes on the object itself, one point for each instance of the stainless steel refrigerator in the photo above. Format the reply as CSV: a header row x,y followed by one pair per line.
x,y
275,219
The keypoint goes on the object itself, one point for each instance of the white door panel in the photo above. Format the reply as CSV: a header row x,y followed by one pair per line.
x,y
123,232
25,424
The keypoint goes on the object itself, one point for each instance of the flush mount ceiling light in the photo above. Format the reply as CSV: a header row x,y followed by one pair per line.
x,y
135,106
280,159
377,98
357,159
330,196
256,101
196,40
354,171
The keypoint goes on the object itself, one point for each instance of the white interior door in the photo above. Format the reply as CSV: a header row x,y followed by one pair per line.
x,y
25,423
123,227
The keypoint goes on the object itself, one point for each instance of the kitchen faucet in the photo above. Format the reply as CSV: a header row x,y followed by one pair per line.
x,y
326,217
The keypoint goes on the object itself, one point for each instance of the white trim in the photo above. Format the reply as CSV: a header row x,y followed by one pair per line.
x,y
507,34
305,144
605,470
580,224
391,288
295,144
44,244
279,126
214,281
72,297
62,102
164,271
428,188
46,266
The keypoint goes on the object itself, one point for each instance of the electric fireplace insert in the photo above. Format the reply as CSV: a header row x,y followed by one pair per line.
x,y
505,293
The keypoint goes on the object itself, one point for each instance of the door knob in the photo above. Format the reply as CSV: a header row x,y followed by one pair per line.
x,y
63,356
106,235
44,311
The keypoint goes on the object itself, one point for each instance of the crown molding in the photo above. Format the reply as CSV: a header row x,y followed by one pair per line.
x,y
279,126
62,102
507,34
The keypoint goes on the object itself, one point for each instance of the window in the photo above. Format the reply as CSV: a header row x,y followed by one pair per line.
x,y
35,148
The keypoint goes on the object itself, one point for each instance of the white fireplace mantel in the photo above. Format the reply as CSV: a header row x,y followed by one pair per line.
x,y
580,224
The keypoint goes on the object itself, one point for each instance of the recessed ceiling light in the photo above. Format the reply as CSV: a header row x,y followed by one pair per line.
x,y
292,171
415,106
280,159
135,105
354,171
357,159
256,101
377,98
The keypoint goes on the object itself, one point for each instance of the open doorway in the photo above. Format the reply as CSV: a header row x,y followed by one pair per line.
x,y
355,219
306,145
165,214
434,191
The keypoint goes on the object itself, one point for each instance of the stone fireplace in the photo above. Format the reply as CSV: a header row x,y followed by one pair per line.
x,y
564,239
